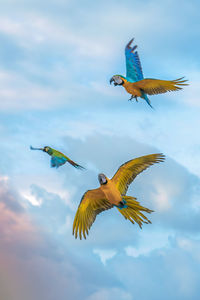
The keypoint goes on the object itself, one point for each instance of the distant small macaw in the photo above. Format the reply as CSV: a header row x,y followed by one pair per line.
x,y
57,158
112,192
134,82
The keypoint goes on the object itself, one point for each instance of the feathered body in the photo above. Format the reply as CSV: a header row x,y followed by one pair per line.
x,y
135,83
112,192
57,158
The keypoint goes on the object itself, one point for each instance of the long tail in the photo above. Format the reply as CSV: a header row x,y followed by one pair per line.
x,y
75,165
144,96
132,210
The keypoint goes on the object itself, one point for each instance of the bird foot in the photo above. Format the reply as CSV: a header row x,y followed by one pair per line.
x,y
132,97
122,204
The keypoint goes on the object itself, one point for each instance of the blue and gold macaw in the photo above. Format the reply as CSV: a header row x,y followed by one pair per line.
x,y
57,158
138,86
112,192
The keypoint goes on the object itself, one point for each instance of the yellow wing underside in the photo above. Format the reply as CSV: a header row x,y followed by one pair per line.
x,y
92,203
157,86
128,171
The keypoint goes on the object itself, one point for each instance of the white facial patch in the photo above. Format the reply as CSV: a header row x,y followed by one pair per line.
x,y
118,79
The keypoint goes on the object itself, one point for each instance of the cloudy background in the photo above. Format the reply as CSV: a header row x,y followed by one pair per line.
x,y
56,59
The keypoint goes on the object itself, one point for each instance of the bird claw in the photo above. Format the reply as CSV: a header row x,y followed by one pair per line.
x,y
132,97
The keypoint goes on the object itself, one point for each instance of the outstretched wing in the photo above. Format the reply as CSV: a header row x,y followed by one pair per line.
x,y
57,161
128,171
157,86
92,203
133,65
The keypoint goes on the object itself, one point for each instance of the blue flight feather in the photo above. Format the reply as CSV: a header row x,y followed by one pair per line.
x,y
144,96
57,161
133,65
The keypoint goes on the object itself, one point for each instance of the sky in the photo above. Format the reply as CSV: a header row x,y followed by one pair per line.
x,y
56,59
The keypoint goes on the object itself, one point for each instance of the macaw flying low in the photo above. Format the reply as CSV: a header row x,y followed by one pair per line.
x,y
57,158
112,192
138,86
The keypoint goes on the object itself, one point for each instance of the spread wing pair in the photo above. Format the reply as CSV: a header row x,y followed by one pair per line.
x,y
57,158
94,201
149,85
135,83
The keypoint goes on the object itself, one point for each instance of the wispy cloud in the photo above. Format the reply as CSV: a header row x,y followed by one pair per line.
x,y
105,254
56,59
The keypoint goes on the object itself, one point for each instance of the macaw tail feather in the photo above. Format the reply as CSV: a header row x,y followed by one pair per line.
x,y
144,96
32,148
75,165
132,211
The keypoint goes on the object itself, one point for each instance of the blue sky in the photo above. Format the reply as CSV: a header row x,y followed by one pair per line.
x,y
56,59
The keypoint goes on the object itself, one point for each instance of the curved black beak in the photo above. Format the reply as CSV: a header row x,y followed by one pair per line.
x,y
111,80
102,179
32,148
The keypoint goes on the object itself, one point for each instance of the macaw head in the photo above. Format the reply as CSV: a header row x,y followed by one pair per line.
x,y
46,149
102,179
118,80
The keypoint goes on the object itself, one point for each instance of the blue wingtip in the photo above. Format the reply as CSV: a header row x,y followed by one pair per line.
x,y
128,46
80,168
133,65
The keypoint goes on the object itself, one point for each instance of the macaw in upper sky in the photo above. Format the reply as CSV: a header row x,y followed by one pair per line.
x,y
112,192
138,86
57,158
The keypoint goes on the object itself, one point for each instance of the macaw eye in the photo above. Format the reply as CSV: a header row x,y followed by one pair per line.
x,y
118,80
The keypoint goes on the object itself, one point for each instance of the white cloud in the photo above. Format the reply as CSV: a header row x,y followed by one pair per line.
x,y
162,196
4,179
191,94
19,93
65,53
105,254
31,198
192,246
37,30
150,241
110,294
67,226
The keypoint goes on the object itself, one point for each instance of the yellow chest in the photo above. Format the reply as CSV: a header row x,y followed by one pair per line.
x,y
132,89
111,192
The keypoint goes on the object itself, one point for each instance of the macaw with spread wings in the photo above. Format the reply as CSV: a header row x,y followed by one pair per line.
x,y
138,86
112,192
57,158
